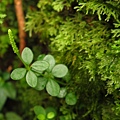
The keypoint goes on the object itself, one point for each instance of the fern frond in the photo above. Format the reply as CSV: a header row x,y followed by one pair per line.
x,y
116,31
100,8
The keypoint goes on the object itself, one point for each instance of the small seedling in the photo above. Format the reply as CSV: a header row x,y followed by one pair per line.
x,y
45,114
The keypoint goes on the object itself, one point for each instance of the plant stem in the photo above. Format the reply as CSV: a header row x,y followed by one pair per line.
x,y
60,82
26,66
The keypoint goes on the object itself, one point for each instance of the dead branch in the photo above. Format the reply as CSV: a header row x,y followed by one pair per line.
x,y
21,23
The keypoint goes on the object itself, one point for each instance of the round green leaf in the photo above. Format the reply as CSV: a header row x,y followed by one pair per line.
x,y
60,70
27,55
62,93
50,59
52,88
71,99
50,115
51,112
31,78
41,117
40,65
41,83
18,73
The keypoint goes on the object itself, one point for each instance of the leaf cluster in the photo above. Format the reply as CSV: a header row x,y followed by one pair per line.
x,y
43,73
45,114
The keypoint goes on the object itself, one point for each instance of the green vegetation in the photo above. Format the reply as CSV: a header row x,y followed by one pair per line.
x,y
71,65
7,89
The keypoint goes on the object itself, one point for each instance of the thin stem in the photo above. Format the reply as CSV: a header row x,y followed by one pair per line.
x,y
26,66
60,82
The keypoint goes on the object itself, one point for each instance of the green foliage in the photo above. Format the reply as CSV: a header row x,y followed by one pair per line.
x,y
6,14
60,70
45,114
2,16
50,59
71,99
108,8
67,113
12,42
84,35
10,116
27,56
116,108
53,87
62,92
40,66
7,89
85,38
41,73
42,21
31,78
18,73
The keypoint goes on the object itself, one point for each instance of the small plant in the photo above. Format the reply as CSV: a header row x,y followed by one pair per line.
x,y
45,114
7,89
43,73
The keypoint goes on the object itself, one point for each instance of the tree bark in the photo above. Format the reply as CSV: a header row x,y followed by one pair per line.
x,y
21,23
